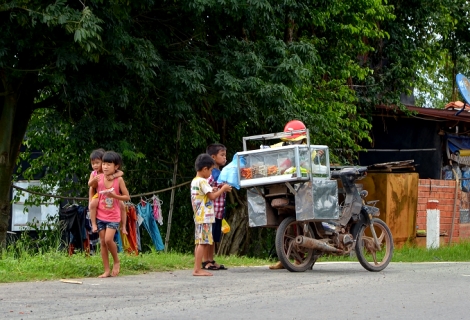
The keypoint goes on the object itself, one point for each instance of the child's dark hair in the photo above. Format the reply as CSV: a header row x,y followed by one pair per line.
x,y
97,154
203,161
213,149
113,157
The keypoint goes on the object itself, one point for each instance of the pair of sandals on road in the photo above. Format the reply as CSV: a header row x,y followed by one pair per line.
x,y
211,265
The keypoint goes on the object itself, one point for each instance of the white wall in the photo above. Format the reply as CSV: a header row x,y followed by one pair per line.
x,y
20,218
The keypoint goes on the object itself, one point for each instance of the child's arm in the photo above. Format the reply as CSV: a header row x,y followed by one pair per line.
x,y
115,175
93,181
214,195
211,181
124,193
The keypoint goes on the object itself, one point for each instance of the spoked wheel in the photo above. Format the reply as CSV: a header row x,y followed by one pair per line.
x,y
293,257
370,256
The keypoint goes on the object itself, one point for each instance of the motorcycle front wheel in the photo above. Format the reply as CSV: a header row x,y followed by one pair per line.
x,y
371,257
293,257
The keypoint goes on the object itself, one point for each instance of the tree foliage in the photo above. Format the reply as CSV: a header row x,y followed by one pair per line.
x,y
436,82
124,75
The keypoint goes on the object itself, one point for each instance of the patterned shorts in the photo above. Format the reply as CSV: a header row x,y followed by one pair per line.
x,y
203,234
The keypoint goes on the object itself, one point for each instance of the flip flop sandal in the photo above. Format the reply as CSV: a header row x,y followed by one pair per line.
x,y
221,267
212,267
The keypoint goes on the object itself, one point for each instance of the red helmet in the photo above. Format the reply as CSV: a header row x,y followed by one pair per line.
x,y
295,125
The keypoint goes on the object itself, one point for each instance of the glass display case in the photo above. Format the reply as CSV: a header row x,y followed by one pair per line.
x,y
292,163
286,178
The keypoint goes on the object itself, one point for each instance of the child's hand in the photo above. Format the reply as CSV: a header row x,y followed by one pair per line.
x,y
110,177
124,230
227,188
94,228
96,179
111,194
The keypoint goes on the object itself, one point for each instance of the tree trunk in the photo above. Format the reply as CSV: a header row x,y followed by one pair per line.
x,y
289,30
237,240
15,112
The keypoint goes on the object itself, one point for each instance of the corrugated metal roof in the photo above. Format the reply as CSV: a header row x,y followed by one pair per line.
x,y
436,114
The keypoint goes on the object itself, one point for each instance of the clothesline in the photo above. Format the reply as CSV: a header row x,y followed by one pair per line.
x,y
83,198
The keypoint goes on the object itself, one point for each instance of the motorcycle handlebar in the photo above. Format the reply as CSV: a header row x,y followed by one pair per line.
x,y
356,172
362,169
335,174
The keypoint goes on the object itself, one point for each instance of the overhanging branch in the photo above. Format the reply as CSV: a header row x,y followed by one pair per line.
x,y
47,103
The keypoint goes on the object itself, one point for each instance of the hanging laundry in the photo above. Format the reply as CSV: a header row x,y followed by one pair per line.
x,y
137,232
93,237
129,241
118,241
157,210
146,212
73,218
125,242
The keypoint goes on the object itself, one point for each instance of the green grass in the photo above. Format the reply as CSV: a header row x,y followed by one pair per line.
x,y
408,253
456,253
58,265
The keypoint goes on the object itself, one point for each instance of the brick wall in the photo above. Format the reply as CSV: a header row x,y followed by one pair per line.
x,y
464,230
444,192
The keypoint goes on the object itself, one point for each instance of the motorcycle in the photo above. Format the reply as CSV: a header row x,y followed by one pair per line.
x,y
357,230
292,187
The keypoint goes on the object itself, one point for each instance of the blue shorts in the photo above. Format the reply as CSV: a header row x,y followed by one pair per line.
x,y
217,230
102,225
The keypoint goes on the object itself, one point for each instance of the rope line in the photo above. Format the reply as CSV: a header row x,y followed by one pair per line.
x,y
82,198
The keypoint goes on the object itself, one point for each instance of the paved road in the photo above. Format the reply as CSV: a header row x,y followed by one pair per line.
x,y
329,291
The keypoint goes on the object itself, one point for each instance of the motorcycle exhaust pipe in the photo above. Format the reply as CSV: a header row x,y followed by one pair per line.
x,y
315,244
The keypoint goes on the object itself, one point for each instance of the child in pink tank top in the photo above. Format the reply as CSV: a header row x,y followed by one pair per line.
x,y
108,207
95,161
108,215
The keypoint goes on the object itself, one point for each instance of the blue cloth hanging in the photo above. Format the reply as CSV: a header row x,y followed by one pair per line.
x,y
118,241
150,225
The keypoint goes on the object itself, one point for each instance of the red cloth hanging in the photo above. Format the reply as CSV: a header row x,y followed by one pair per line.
x,y
131,230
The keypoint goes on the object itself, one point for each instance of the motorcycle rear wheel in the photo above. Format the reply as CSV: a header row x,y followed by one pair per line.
x,y
372,258
293,257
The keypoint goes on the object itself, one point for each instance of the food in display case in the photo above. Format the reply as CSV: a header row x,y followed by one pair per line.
x,y
267,164
246,173
292,170
286,164
272,170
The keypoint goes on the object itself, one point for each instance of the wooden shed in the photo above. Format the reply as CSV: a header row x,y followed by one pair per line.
x,y
419,135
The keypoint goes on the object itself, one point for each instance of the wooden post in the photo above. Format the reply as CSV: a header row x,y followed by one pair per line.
x,y
172,198
455,205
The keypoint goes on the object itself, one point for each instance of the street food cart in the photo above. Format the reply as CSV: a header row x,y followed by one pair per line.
x,y
286,180
290,187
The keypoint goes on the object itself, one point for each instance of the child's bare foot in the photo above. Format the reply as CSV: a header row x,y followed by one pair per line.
x,y
105,275
116,269
201,273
